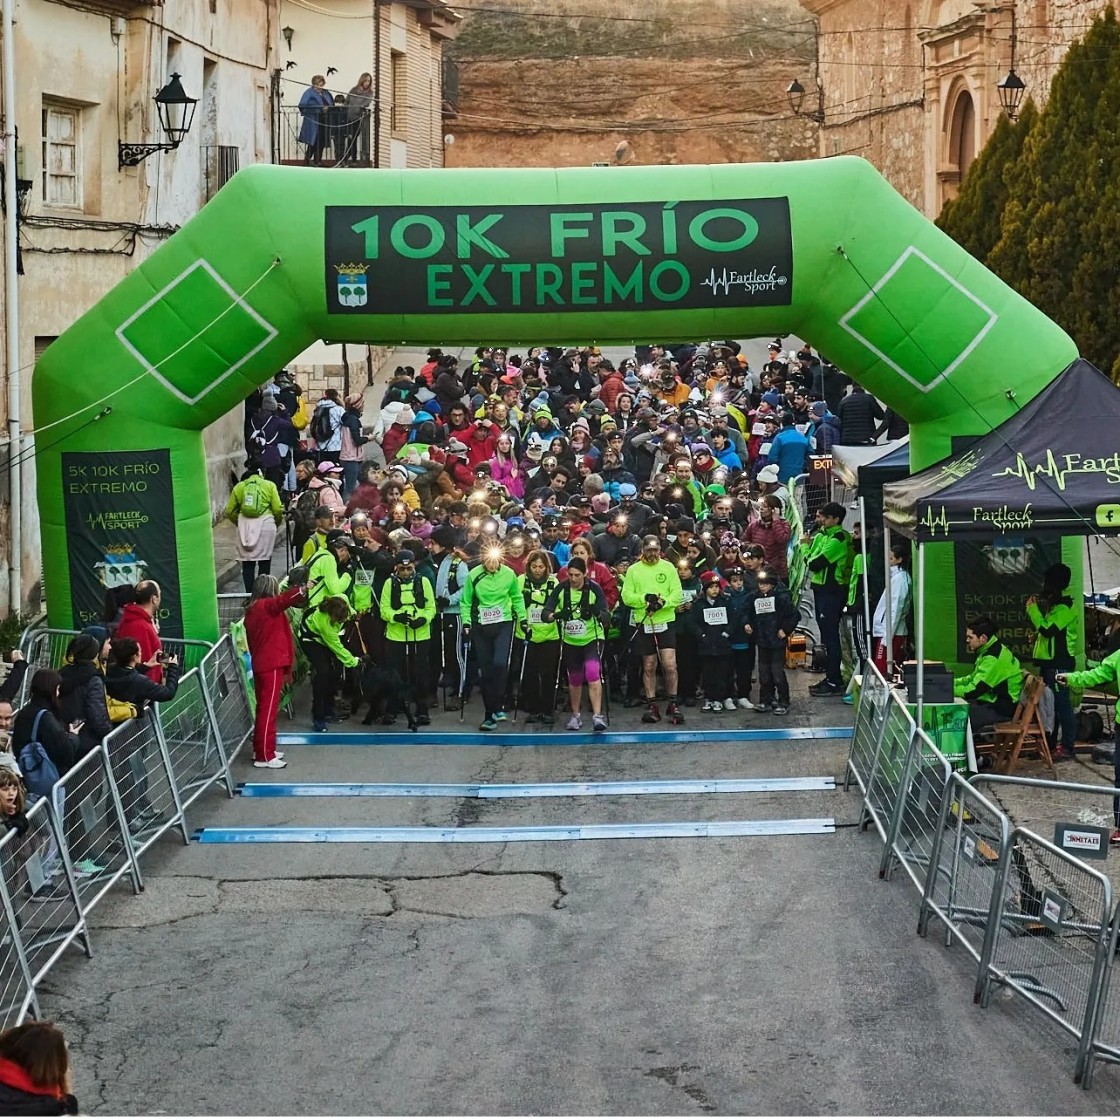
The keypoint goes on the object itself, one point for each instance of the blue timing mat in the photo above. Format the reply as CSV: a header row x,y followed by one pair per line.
x,y
512,738
477,835
541,789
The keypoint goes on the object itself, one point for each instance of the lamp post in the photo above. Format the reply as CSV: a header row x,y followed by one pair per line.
x,y
1011,87
796,96
176,114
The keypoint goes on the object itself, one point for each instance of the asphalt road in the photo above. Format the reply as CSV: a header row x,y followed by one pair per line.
x,y
762,975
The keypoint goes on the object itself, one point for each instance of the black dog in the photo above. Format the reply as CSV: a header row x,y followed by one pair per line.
x,y
385,692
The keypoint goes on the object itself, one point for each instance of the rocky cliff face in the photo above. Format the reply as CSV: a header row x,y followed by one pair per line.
x,y
575,82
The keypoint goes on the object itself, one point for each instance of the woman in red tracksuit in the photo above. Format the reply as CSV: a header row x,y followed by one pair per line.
x,y
273,651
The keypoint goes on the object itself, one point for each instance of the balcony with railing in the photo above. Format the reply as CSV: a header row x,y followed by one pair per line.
x,y
335,141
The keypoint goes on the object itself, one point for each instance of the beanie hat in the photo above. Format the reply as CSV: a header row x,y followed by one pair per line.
x,y
405,417
818,408
627,490
355,400
444,536
269,403
709,578
768,474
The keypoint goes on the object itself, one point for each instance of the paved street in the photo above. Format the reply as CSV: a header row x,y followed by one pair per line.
x,y
745,975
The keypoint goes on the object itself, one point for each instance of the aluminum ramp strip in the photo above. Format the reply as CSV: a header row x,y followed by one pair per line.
x,y
559,738
542,789
477,835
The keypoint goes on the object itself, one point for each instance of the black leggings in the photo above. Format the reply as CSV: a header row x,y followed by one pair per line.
x,y
538,686
492,647
250,569
326,675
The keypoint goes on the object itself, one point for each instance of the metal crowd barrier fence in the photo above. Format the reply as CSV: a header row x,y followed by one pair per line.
x,y
968,844
192,741
107,812
1049,804
39,884
1049,935
914,829
885,782
229,703
142,768
1104,1044
46,649
231,607
96,828
871,712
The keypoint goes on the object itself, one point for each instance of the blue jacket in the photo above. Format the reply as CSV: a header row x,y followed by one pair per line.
x,y
739,600
312,107
788,451
729,458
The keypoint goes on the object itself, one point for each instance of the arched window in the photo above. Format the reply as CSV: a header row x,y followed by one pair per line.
x,y
962,134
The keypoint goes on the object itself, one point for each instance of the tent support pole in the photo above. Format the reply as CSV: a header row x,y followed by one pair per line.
x,y
866,583
888,628
921,636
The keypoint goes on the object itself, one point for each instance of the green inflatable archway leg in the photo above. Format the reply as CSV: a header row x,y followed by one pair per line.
x,y
282,256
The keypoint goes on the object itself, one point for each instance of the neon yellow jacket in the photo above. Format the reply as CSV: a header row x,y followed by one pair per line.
x,y
254,497
660,579
317,627
415,599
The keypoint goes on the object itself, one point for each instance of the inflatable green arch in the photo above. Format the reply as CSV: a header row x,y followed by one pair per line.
x,y
825,250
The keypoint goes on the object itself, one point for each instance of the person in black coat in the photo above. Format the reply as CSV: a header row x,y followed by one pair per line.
x,y
35,1072
124,681
81,698
59,740
711,616
770,619
858,414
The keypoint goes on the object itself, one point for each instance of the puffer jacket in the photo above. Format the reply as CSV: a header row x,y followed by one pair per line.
x,y
82,696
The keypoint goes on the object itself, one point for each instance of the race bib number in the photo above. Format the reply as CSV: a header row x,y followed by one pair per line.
x,y
535,614
715,616
489,615
575,628
655,627
758,429
363,578
764,449
802,428
687,596
764,605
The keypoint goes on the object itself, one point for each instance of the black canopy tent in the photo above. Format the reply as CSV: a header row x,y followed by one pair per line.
x,y
1051,470
1053,467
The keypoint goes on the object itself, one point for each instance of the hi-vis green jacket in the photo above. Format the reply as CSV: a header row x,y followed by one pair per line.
x,y
996,679
416,599
1106,674
830,558
1057,633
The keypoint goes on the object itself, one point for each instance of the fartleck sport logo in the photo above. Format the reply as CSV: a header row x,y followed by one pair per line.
x,y
636,256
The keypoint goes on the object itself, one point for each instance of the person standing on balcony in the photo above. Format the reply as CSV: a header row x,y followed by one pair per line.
x,y
313,106
359,106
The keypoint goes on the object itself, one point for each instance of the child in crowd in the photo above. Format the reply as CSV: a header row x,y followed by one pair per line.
x,y
771,617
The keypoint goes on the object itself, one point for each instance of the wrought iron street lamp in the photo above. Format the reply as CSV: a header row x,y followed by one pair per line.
x,y
176,114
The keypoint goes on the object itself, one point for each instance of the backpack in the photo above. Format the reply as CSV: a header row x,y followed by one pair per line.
x,y
257,442
306,505
254,498
321,427
39,773
300,417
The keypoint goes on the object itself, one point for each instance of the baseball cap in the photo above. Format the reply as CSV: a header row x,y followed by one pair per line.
x,y
405,557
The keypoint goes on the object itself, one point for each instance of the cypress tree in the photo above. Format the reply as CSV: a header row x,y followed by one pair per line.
x,y
1060,228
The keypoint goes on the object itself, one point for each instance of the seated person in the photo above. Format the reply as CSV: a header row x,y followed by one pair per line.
x,y
992,688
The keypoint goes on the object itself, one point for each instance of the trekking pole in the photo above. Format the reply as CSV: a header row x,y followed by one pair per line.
x,y
604,678
559,669
521,675
509,661
463,676
410,674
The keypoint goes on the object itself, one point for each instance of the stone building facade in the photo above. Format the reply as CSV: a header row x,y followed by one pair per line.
x,y
910,85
